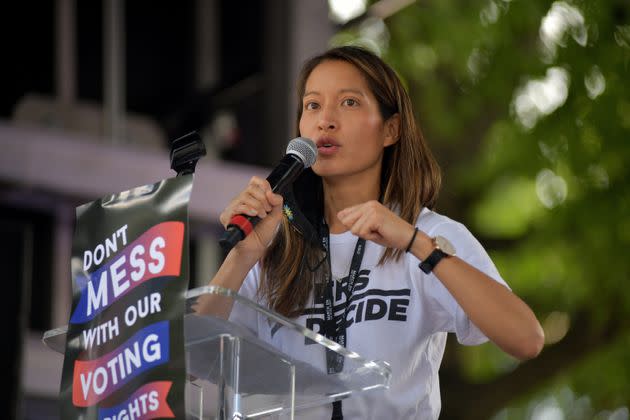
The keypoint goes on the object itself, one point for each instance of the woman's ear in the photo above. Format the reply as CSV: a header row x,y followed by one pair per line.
x,y
392,130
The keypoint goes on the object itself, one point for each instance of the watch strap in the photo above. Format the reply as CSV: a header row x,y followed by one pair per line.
x,y
432,260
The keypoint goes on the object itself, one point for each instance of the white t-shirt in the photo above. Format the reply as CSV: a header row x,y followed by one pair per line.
x,y
399,315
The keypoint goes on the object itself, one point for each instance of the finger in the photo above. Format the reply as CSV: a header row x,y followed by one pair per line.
x,y
258,188
367,228
238,208
358,225
374,237
373,222
371,205
349,215
248,205
258,193
249,210
274,199
348,210
260,197
261,183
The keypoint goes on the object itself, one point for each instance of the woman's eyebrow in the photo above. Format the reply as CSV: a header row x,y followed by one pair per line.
x,y
341,91
355,91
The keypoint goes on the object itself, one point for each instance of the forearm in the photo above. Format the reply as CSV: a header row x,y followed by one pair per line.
x,y
230,275
501,315
234,269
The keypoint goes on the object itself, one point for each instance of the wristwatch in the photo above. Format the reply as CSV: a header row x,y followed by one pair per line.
x,y
443,248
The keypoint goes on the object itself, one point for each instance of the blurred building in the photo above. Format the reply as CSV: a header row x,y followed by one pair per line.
x,y
92,95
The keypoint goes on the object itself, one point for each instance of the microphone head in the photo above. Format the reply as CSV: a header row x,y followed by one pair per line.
x,y
305,149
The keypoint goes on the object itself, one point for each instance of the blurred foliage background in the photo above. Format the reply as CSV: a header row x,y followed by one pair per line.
x,y
527,106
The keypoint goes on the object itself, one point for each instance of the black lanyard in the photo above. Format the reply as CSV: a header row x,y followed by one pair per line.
x,y
336,331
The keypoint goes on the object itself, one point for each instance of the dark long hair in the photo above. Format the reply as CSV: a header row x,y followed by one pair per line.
x,y
410,180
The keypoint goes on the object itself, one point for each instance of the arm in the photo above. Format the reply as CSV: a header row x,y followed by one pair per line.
x,y
501,315
256,200
230,275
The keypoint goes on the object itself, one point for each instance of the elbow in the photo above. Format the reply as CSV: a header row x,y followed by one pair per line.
x,y
531,346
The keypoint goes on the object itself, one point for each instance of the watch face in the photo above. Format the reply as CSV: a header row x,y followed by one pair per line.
x,y
445,245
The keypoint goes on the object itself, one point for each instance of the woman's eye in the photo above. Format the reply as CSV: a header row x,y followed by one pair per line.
x,y
311,105
350,102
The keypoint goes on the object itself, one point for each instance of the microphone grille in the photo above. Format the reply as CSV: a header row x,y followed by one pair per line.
x,y
303,148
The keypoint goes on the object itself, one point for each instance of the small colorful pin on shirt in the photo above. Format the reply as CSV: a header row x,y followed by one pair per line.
x,y
288,212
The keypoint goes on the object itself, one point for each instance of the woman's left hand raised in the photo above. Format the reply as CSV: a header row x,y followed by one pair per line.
x,y
375,222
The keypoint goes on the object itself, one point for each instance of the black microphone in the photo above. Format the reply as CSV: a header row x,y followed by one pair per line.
x,y
301,153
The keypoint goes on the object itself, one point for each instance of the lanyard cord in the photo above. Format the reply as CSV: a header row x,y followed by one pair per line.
x,y
336,330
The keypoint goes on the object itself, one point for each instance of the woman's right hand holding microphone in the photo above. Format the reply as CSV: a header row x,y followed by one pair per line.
x,y
257,199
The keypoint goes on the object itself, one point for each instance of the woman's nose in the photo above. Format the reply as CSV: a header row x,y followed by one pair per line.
x,y
327,119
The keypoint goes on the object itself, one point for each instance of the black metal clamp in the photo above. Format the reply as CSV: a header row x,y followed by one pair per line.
x,y
185,152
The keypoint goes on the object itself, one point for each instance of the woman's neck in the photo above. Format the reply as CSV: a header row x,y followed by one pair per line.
x,y
347,192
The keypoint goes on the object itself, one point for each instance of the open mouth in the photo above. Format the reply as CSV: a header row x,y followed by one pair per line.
x,y
326,143
327,149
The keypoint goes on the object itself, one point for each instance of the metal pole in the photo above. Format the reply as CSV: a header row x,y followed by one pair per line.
x,y
66,58
114,95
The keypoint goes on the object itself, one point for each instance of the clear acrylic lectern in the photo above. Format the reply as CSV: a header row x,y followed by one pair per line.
x,y
245,361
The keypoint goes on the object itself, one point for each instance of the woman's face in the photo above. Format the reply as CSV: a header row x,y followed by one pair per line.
x,y
341,115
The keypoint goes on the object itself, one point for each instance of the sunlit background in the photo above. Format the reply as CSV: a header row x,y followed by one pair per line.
x,y
525,103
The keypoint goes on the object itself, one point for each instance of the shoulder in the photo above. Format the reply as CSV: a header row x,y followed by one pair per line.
x,y
432,223
467,246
